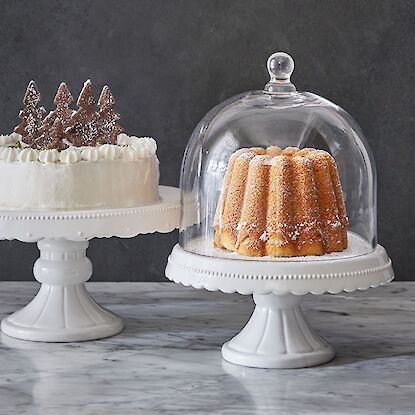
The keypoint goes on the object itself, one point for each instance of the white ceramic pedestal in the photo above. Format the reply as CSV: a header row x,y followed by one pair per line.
x,y
277,334
62,310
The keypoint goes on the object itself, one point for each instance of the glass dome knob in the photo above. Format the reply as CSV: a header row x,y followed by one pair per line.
x,y
280,67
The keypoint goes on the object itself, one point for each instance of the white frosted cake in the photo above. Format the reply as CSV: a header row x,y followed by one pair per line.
x,y
75,159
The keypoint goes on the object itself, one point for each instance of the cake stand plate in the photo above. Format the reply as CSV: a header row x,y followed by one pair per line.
x,y
63,310
278,334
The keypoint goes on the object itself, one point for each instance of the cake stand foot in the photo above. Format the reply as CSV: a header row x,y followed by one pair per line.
x,y
63,310
277,336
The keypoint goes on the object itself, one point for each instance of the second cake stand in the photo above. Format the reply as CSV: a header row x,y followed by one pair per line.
x,y
278,335
63,310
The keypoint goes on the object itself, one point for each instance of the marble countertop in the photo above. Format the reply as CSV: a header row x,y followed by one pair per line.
x,y
168,361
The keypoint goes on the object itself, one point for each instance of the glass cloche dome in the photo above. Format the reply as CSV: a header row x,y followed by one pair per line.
x,y
279,116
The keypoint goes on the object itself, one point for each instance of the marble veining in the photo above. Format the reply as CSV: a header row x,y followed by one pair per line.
x,y
168,361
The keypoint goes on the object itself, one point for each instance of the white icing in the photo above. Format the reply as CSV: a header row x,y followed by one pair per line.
x,y
82,185
90,154
6,140
28,154
123,140
109,151
141,152
145,146
128,154
10,154
69,156
151,143
14,138
49,156
128,148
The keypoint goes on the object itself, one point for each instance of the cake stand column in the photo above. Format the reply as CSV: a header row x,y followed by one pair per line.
x,y
277,336
62,310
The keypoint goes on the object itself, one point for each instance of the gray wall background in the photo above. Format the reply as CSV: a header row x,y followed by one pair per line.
x,y
169,61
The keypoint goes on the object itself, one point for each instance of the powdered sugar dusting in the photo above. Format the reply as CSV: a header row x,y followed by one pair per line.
x,y
263,237
205,246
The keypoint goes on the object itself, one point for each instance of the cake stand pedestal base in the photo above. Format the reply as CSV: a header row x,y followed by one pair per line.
x,y
277,336
62,310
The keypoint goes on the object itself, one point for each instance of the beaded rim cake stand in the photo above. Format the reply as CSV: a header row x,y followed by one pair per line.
x,y
63,310
278,335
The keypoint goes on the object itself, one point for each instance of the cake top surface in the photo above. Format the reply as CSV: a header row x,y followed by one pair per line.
x,y
274,153
127,148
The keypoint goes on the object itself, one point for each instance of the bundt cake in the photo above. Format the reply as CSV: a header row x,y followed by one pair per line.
x,y
281,203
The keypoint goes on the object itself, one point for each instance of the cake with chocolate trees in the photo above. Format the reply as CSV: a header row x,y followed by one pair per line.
x,y
75,159
281,203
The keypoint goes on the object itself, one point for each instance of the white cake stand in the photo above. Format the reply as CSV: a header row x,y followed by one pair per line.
x,y
277,334
63,310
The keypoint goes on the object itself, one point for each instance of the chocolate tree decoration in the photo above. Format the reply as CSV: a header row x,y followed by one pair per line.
x,y
109,129
31,116
57,135
63,100
63,112
83,129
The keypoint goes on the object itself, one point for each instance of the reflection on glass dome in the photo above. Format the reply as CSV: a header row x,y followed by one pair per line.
x,y
279,116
